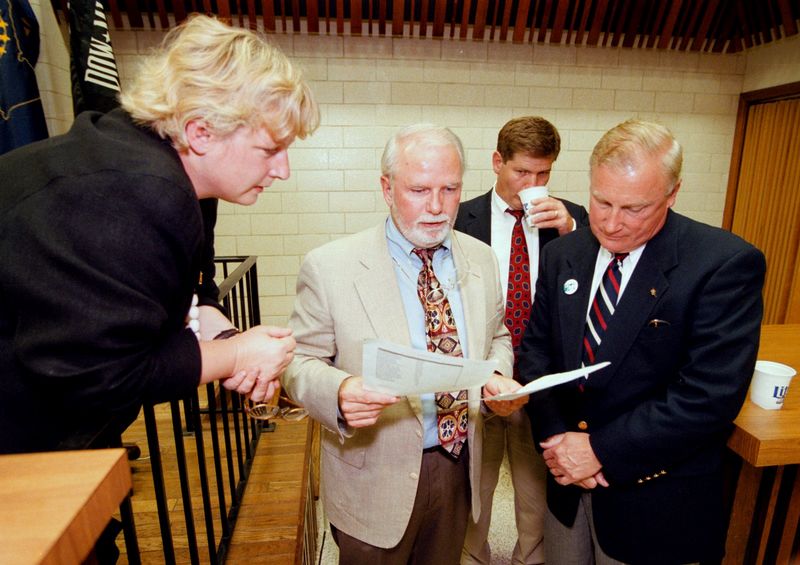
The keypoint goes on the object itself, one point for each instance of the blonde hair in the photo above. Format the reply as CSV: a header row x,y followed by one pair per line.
x,y
627,143
228,77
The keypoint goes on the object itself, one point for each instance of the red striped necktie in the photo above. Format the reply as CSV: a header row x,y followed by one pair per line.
x,y
603,306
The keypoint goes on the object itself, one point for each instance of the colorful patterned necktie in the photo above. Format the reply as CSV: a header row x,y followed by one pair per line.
x,y
603,306
442,337
518,295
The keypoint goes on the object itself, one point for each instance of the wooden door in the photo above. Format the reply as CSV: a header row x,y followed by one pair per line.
x,y
763,201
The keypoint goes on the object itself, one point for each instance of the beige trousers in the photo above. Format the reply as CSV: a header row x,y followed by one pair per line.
x,y
510,435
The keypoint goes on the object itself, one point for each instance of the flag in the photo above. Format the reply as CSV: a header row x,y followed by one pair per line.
x,y
95,80
21,113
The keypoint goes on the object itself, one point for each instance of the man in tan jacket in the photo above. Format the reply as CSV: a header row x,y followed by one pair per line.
x,y
396,486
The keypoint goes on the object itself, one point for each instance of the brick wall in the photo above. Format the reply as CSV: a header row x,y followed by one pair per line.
x,y
368,87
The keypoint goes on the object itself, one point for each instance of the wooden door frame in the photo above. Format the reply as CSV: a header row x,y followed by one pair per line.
x,y
746,100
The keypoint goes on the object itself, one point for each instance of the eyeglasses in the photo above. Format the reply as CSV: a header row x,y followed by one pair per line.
x,y
438,291
263,411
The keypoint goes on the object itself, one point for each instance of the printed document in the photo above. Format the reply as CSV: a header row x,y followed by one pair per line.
x,y
403,371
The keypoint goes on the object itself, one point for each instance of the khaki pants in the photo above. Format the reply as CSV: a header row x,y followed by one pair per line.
x,y
510,434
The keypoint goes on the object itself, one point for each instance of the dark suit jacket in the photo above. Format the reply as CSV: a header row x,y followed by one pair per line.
x,y
659,416
475,218
101,243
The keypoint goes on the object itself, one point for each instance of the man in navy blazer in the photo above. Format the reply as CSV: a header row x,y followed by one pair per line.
x,y
635,450
527,147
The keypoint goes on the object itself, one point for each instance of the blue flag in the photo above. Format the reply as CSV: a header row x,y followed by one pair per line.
x,y
21,113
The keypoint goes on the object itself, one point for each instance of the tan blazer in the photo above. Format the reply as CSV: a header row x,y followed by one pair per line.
x,y
347,292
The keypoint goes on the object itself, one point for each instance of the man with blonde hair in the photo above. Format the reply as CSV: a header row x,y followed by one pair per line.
x,y
635,451
400,475
101,239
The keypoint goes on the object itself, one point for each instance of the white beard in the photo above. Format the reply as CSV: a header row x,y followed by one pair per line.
x,y
422,237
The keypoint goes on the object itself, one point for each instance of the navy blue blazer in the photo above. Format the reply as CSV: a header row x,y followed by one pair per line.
x,y
475,218
682,346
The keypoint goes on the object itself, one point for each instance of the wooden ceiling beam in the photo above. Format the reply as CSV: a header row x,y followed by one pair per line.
x,y
506,19
397,18
134,15
617,20
587,7
558,23
312,16
744,26
480,19
521,25
382,18
463,31
224,11
492,19
356,23
268,15
548,5
691,26
439,13
700,25
789,23
701,36
597,21
669,25
423,18
634,24
116,15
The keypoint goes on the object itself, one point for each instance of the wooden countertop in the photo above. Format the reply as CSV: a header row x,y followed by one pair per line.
x,y
55,505
772,437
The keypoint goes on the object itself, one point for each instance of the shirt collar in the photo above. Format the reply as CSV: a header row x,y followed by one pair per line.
x,y
633,256
499,206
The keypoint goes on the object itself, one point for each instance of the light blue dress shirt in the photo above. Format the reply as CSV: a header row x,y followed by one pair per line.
x,y
407,267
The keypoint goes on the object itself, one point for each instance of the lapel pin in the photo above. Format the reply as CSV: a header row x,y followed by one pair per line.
x,y
652,292
570,286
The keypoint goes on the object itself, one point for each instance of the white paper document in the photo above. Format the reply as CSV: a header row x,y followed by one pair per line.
x,y
402,371
550,381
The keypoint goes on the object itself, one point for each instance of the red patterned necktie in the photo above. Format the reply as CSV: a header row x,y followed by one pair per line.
x,y
518,295
442,337
603,306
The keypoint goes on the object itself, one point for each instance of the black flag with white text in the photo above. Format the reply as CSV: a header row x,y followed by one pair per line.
x,y
95,80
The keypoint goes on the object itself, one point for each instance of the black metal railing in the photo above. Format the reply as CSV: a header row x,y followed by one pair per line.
x,y
211,419
178,435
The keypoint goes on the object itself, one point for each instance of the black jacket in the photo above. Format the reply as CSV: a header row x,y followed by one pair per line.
x,y
475,218
101,243
658,417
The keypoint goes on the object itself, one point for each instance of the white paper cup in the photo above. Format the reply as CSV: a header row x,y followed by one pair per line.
x,y
528,194
770,384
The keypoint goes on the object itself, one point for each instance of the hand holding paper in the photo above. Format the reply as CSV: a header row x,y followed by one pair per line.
x,y
497,386
548,381
360,407
552,380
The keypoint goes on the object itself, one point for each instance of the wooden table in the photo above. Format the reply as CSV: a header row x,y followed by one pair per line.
x,y
768,441
55,505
